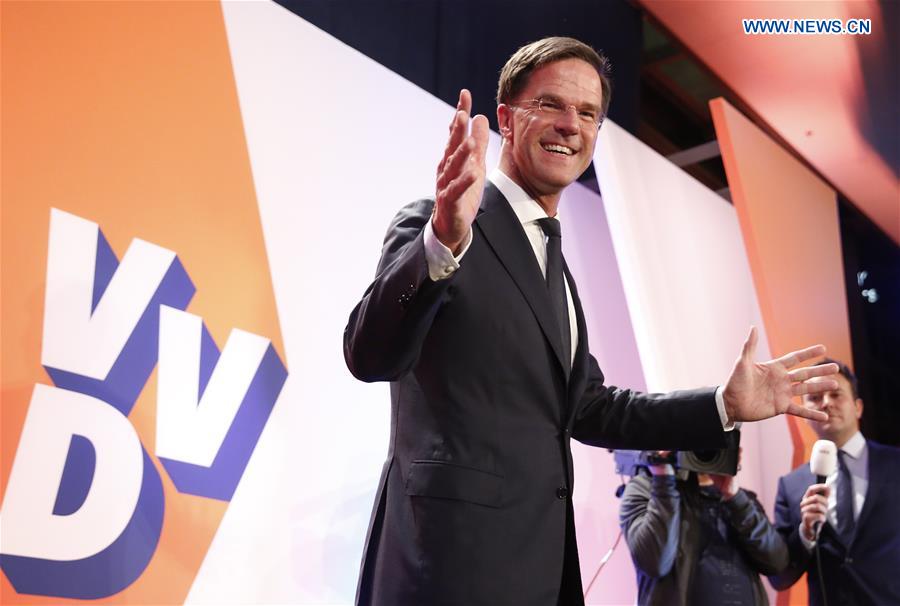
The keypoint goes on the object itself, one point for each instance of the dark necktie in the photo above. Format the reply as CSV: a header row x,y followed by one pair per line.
x,y
556,282
844,504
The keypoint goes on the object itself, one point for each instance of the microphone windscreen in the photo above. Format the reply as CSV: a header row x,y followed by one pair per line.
x,y
823,461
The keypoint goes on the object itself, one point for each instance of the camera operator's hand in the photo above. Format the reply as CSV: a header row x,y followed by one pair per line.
x,y
813,508
727,485
665,469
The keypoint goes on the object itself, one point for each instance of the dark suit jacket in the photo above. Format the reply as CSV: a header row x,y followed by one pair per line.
x,y
868,570
474,502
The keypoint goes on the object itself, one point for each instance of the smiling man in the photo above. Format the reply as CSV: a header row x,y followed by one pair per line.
x,y
475,320
856,510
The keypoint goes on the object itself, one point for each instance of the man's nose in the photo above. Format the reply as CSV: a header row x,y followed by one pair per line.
x,y
568,123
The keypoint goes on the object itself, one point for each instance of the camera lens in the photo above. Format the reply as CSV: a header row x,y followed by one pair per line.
x,y
707,456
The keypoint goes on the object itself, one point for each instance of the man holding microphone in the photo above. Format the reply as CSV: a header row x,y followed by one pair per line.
x,y
851,518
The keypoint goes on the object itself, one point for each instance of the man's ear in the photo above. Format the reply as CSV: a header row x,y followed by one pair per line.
x,y
504,120
859,408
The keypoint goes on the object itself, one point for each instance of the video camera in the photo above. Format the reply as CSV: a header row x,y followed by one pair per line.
x,y
723,461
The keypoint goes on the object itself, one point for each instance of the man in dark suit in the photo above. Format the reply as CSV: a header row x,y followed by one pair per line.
x,y
855,511
476,322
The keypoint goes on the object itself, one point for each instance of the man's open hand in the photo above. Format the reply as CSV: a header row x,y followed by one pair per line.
x,y
460,176
756,391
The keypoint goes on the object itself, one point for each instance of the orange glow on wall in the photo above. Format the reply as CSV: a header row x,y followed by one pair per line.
x,y
104,116
789,222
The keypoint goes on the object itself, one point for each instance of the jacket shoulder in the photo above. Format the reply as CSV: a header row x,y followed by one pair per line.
x,y
884,451
799,476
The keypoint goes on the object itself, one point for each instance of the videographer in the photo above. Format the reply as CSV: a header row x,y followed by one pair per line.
x,y
697,538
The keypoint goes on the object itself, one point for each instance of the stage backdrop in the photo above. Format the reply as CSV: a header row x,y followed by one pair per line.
x,y
194,197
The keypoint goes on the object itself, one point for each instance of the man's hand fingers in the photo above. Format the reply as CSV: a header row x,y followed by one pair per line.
x,y
465,101
459,185
795,357
814,507
815,503
458,128
820,370
801,389
480,129
749,347
816,491
455,163
806,413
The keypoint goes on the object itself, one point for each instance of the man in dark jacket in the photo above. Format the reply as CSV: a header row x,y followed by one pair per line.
x,y
854,511
475,320
698,539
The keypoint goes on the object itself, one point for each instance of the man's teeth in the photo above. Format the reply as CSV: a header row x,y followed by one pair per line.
x,y
560,149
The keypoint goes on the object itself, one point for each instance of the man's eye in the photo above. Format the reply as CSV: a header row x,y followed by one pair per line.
x,y
550,105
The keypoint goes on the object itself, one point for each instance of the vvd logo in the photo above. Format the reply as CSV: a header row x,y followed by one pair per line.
x,y
83,508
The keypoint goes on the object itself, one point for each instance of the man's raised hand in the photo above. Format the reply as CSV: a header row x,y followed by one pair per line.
x,y
756,391
460,176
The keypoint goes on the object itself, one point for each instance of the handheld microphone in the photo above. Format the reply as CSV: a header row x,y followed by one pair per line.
x,y
822,463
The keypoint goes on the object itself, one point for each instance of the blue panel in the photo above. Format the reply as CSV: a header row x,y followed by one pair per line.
x,y
78,473
104,268
209,357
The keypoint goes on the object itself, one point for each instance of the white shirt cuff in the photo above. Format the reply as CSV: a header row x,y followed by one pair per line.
x,y
727,425
809,545
440,259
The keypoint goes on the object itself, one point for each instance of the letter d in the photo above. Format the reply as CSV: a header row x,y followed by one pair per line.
x,y
83,508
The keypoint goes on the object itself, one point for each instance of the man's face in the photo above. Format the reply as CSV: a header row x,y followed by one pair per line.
x,y
843,411
549,151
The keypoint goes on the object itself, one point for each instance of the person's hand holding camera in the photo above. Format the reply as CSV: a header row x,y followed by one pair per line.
x,y
727,485
662,469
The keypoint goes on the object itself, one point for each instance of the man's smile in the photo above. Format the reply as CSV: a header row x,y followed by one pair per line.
x,y
558,148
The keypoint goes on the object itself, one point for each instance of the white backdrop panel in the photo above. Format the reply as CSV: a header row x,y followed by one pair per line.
x,y
337,144
688,285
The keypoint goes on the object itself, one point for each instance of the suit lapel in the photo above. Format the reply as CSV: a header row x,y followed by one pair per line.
x,y
877,475
504,234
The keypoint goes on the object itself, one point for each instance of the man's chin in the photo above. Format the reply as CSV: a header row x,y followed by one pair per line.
x,y
825,431
558,182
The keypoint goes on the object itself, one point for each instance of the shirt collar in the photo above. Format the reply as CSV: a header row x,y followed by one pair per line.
x,y
525,207
855,445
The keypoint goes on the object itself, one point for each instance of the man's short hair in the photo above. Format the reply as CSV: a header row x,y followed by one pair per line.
x,y
844,370
514,75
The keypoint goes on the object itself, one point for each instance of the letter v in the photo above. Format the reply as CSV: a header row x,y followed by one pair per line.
x,y
211,408
100,316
